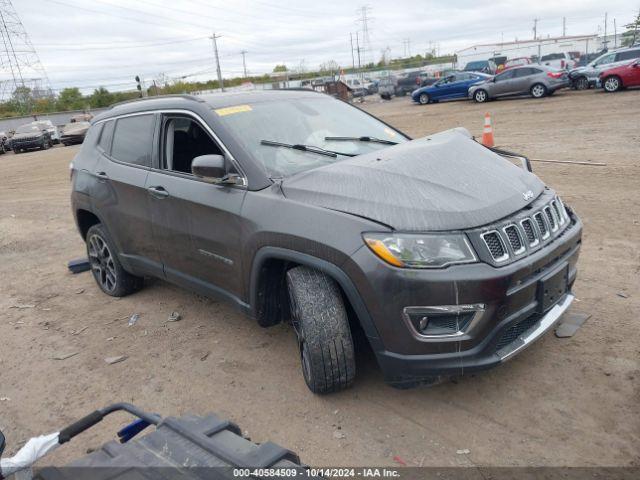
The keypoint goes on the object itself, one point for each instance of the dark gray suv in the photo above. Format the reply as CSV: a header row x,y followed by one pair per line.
x,y
297,207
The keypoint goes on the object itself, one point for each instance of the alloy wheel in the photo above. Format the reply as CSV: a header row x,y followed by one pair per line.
x,y
611,84
582,83
424,98
102,265
537,91
480,96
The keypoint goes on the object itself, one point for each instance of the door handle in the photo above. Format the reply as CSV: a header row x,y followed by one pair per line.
x,y
158,192
102,175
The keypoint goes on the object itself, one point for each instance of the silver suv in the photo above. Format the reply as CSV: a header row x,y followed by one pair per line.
x,y
537,81
583,78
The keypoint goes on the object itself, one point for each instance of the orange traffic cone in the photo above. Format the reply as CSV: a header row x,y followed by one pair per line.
x,y
487,132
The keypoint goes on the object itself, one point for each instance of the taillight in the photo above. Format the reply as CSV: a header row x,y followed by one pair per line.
x,y
554,74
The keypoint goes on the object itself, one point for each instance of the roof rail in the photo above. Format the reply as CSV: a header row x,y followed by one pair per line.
x,y
176,95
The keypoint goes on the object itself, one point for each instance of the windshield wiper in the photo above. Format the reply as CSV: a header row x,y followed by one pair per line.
x,y
363,139
306,148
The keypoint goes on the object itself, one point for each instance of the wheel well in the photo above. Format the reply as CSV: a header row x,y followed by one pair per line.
x,y
272,296
86,220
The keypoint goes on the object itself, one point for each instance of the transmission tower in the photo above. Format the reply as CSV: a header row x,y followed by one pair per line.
x,y
22,76
364,19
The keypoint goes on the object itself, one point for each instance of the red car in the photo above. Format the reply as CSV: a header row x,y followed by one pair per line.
x,y
620,77
517,62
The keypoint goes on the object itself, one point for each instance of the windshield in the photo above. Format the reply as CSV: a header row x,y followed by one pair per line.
x,y
476,65
303,121
28,129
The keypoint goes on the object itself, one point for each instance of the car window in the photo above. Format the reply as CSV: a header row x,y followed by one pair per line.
x,y
509,74
133,140
628,55
552,56
106,136
604,60
183,140
524,72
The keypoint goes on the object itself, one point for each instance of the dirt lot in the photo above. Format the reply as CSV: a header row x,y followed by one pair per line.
x,y
562,402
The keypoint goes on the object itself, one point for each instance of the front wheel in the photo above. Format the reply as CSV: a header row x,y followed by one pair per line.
x,y
480,96
581,83
106,267
423,99
538,90
320,320
612,84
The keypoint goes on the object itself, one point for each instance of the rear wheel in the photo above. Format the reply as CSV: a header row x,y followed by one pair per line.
x,y
320,320
106,267
480,96
581,83
538,90
423,99
612,84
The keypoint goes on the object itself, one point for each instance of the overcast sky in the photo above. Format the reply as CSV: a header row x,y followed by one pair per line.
x,y
107,42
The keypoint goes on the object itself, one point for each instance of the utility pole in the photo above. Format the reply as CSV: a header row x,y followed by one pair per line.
x,y
605,42
353,60
615,34
564,26
535,28
244,62
358,50
215,51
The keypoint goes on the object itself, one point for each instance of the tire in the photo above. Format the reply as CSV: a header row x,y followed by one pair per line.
x,y
320,320
538,90
581,83
424,99
106,267
480,96
612,84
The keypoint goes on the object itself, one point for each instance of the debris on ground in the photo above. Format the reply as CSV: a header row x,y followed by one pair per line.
x,y
134,319
79,265
79,291
64,356
5,399
20,306
118,359
338,435
571,322
463,451
622,295
400,460
174,317
79,331
205,356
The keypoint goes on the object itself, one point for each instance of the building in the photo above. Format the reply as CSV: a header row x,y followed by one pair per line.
x,y
580,44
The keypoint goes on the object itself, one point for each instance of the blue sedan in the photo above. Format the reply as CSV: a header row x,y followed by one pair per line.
x,y
454,85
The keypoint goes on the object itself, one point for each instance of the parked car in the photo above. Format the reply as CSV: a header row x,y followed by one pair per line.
x,y
74,133
536,81
620,77
411,81
482,66
4,143
455,85
499,60
29,137
517,62
387,87
298,207
583,78
49,127
559,61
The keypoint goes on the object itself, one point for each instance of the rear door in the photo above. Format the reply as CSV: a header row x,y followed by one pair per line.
x,y
196,224
120,197
522,79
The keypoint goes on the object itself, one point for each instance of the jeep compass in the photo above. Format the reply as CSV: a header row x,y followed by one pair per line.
x,y
298,207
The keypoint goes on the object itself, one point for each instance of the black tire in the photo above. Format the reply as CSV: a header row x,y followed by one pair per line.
x,y
106,267
538,90
424,99
320,320
581,83
612,84
480,96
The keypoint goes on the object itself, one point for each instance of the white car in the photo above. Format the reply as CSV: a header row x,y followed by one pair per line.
x,y
49,127
559,61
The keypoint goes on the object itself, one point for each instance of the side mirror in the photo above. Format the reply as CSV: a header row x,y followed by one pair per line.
x,y
1,442
209,167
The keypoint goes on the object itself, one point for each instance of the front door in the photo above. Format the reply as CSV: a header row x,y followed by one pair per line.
x,y
504,83
196,224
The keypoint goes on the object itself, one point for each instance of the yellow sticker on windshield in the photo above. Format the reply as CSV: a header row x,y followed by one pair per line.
x,y
231,110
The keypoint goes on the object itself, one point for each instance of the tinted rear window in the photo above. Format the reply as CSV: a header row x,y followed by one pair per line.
x,y
552,56
628,55
133,140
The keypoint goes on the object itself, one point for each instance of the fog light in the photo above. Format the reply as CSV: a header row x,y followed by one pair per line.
x,y
441,321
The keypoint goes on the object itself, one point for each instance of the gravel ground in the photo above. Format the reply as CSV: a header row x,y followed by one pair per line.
x,y
568,401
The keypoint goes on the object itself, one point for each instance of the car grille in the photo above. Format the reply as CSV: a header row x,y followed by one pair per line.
x,y
531,231
511,333
26,139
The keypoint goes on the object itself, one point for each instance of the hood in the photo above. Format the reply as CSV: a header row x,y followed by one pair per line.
x,y
443,182
34,134
75,130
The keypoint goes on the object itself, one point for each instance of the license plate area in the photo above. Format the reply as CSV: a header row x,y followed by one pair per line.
x,y
552,288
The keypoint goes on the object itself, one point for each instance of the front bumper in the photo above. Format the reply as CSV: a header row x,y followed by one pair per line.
x,y
24,145
514,315
72,139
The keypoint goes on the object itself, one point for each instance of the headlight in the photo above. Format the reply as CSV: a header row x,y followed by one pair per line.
x,y
420,250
